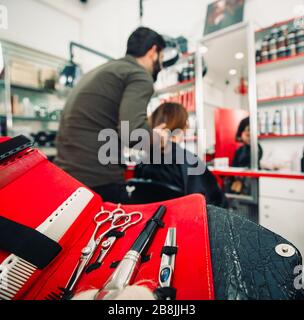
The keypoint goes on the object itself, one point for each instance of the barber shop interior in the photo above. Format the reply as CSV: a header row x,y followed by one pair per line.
x,y
142,141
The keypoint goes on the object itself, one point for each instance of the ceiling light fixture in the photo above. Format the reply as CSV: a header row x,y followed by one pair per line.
x,y
233,72
203,49
239,56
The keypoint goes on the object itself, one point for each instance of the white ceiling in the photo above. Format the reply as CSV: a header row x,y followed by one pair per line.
x,y
220,57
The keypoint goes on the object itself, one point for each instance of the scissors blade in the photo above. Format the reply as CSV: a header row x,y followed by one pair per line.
x,y
106,247
77,273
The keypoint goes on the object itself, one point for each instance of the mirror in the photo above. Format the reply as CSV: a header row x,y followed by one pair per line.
x,y
226,93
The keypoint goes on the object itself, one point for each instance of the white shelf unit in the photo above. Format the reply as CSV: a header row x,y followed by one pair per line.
x,y
283,149
26,120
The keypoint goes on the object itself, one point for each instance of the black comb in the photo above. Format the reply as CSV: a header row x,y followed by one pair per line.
x,y
61,294
13,146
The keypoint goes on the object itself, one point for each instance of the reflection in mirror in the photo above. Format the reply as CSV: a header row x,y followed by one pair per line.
x,y
226,101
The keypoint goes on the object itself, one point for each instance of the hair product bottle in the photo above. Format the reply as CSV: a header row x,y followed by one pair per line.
x,y
299,120
292,121
262,123
270,122
277,123
284,121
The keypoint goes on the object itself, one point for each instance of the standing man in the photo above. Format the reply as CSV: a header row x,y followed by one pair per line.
x,y
117,91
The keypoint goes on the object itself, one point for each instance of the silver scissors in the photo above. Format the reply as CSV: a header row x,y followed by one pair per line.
x,y
109,243
118,220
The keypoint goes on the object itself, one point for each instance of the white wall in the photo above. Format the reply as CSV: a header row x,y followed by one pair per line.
x,y
49,25
43,25
108,23
107,26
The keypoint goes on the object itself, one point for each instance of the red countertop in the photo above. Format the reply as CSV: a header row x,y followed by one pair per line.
x,y
256,174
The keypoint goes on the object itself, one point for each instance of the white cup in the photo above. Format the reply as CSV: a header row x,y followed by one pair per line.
x,y
221,163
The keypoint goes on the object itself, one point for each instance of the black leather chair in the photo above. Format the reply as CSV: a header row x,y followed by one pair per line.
x,y
142,191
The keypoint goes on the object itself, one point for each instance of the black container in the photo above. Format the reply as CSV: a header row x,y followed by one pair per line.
x,y
258,56
284,30
265,46
300,36
302,164
275,33
184,75
282,52
281,42
300,48
291,38
273,44
265,56
191,74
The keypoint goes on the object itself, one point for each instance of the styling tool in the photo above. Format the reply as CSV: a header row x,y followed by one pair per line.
x,y
127,269
168,260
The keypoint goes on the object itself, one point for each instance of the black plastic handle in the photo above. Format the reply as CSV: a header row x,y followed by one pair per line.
x,y
144,239
13,146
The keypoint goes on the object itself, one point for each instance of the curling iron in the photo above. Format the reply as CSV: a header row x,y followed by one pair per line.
x,y
127,269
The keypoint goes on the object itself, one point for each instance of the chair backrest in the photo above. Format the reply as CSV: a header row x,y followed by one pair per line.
x,y
148,191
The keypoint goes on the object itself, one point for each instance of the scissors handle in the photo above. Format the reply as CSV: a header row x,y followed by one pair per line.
x,y
98,240
131,223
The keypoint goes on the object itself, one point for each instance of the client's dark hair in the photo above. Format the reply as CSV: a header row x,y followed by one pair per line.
x,y
142,40
174,115
242,127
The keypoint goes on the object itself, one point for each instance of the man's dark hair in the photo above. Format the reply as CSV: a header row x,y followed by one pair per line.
x,y
142,40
